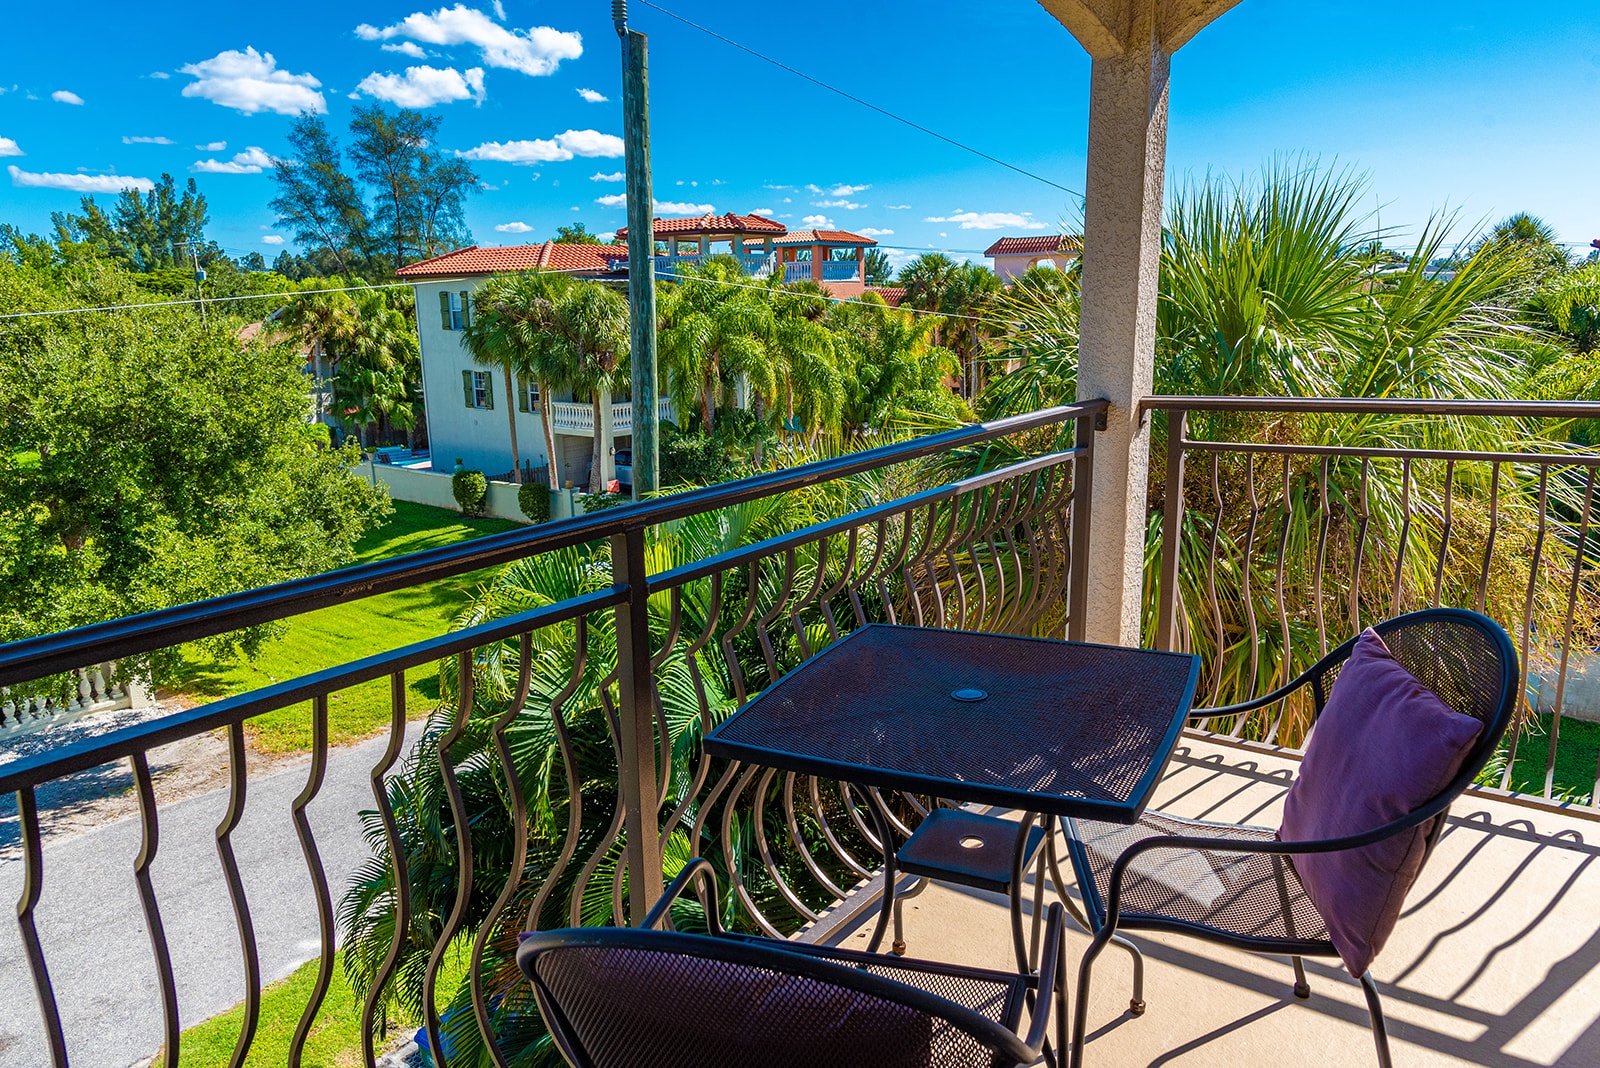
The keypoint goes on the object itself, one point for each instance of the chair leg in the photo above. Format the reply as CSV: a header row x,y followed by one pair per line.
x,y
1380,1034
1080,1014
1136,1003
898,946
1302,989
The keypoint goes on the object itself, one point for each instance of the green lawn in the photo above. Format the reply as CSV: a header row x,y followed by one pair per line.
x,y
335,1039
337,635
1576,756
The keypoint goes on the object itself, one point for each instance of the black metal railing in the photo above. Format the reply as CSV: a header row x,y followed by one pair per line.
x,y
616,683
1288,524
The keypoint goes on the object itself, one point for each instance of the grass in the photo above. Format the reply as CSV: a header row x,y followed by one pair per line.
x,y
1576,755
335,1039
342,633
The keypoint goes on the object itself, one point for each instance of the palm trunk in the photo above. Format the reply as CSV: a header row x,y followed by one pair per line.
x,y
759,405
511,420
552,471
597,464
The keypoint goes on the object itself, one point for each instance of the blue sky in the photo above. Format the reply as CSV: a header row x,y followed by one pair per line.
x,y
1479,108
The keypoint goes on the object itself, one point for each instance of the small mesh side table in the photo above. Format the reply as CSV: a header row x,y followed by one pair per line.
x,y
1062,729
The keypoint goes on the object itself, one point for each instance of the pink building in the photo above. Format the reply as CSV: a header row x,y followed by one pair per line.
x,y
1014,255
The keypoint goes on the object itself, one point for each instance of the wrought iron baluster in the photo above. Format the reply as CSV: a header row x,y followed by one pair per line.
x,y
237,779
400,870
319,878
149,842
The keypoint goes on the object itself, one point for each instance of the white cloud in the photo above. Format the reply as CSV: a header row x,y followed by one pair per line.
x,y
250,81
898,207
535,51
271,239
78,183
66,96
873,231
990,220
817,222
605,236
148,141
614,176
407,48
518,227
762,211
847,190
779,188
847,205
423,87
160,75
563,146
213,146
252,160
499,10
8,147
663,207
592,96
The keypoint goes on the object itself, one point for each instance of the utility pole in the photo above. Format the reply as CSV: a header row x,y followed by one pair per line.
x,y
641,250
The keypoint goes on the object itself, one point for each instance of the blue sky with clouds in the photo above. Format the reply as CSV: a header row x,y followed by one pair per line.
x,y
1474,107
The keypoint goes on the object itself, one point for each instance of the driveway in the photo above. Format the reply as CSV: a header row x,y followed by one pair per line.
x,y
93,932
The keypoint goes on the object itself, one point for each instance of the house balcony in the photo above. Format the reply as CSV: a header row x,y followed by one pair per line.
x,y
577,418
1268,554
841,270
754,264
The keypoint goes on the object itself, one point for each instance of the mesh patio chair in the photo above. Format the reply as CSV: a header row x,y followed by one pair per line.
x,y
616,997
1237,885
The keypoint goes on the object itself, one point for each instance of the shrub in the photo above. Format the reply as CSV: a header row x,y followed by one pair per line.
x,y
470,489
534,500
596,502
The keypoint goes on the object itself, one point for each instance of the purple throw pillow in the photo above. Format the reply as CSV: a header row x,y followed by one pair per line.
x,y
1384,746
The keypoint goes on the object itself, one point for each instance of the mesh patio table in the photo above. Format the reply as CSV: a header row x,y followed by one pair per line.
x,y
1046,727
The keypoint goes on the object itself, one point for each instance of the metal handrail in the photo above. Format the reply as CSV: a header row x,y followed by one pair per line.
x,y
1377,406
38,657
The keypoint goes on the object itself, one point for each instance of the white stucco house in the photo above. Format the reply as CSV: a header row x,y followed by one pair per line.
x,y
468,412
1013,256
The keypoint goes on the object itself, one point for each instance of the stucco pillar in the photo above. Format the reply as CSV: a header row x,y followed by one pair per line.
x,y
1121,261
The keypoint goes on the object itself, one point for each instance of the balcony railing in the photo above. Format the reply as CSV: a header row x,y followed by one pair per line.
x,y
625,677
754,264
841,270
577,418
1285,550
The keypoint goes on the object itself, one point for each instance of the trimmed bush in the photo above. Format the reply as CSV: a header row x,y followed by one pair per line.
x,y
470,489
597,502
534,500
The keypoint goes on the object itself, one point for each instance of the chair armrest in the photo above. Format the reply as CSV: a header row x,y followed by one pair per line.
x,y
1254,703
1049,968
700,872
1255,845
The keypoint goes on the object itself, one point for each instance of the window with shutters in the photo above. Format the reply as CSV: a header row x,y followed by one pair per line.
x,y
477,389
455,310
527,393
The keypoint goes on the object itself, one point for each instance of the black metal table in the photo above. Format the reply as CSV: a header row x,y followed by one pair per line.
x,y
1053,728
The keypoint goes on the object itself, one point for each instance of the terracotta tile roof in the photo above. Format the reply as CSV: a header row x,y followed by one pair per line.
x,y
1023,246
547,255
892,295
823,237
729,223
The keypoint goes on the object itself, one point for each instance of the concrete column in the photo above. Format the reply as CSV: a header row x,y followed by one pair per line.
x,y
1121,262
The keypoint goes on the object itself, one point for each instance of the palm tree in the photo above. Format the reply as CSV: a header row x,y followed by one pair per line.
x,y
711,333
960,292
369,336
561,332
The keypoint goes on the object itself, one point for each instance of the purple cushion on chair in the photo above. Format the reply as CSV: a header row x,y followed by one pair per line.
x,y
1384,746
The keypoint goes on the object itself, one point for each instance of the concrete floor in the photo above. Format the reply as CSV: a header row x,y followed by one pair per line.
x,y
1496,959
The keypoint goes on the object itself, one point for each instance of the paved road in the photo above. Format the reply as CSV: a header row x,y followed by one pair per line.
x,y
95,942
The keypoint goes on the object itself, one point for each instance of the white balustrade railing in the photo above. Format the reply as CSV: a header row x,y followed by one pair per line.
x,y
572,417
97,689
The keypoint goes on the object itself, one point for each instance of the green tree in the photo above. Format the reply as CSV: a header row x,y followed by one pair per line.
x,y
370,336
147,461
404,201
960,293
144,232
577,234
877,268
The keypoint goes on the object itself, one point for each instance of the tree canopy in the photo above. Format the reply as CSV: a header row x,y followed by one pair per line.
x,y
402,198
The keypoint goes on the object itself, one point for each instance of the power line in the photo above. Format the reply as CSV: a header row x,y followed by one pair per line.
x,y
289,294
864,103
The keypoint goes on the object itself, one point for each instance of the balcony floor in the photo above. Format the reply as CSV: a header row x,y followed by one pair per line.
x,y
1496,960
